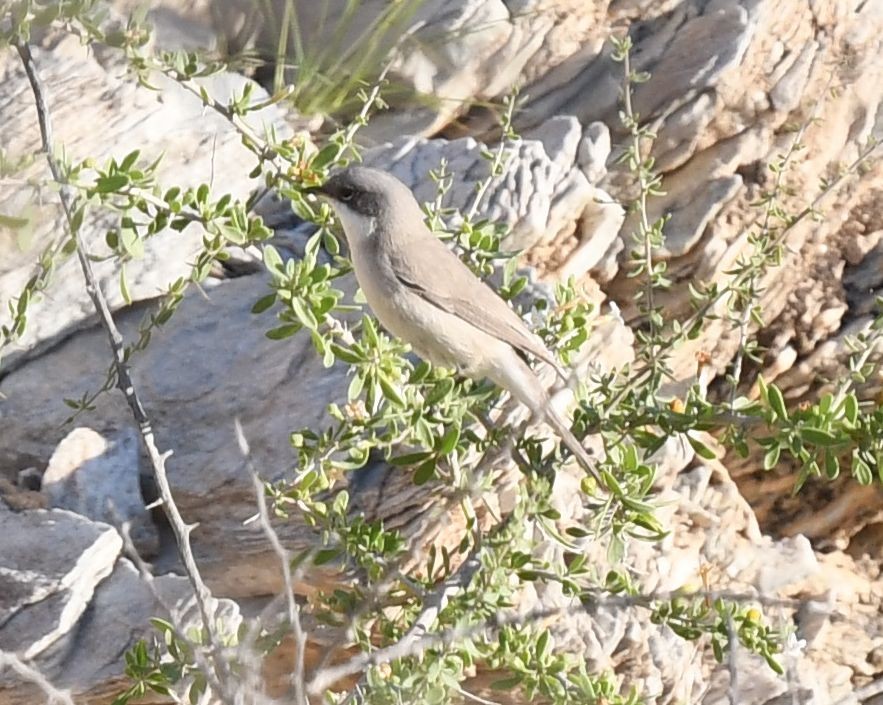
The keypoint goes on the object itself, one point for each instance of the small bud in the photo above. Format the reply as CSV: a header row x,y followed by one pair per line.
x,y
703,358
677,406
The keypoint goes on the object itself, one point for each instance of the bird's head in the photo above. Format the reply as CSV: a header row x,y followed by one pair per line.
x,y
362,196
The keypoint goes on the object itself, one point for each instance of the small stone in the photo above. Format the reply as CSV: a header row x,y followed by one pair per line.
x,y
30,479
593,152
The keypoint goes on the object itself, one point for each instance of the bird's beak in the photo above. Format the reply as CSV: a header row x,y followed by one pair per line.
x,y
314,191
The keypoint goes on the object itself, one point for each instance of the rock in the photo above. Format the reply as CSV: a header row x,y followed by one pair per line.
x,y
50,564
594,151
98,477
196,144
598,230
18,498
561,137
196,376
30,479
701,51
118,617
542,194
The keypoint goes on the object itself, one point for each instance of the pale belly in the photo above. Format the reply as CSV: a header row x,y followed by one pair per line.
x,y
435,335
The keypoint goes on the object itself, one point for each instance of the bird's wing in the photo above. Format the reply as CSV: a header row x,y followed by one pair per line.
x,y
458,291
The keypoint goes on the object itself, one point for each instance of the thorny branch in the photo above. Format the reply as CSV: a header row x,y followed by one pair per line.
x,y
181,529
418,639
417,635
300,637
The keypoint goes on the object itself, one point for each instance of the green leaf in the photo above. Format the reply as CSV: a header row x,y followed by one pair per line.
x,y
702,450
263,303
370,332
777,402
441,389
818,436
111,182
129,160
77,218
303,312
356,386
832,466
410,458
773,664
11,222
324,157
326,555
577,532
272,260
507,683
771,457
861,470
542,644
285,331
449,441
124,287
131,244
346,354
850,408
424,473
390,390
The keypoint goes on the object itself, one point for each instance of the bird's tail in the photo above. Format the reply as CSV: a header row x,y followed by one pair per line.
x,y
521,381
573,444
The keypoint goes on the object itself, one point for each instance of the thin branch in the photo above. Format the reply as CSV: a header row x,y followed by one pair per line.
x,y
645,185
29,673
419,640
175,618
475,698
781,169
300,638
416,636
124,378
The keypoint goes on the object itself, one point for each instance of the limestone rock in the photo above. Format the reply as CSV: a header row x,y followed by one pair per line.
x,y
88,89
197,375
50,565
98,477
74,624
729,80
543,194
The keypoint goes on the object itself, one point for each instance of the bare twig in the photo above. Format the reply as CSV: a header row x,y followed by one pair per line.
x,y
124,380
475,698
418,639
732,668
417,635
300,638
175,618
54,695
781,169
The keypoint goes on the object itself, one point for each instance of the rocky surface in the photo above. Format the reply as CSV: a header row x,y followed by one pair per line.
x,y
170,121
70,605
729,81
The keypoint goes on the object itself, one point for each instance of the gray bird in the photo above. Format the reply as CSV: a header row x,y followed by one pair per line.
x,y
422,293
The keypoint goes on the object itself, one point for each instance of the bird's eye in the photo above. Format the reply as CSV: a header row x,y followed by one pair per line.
x,y
346,194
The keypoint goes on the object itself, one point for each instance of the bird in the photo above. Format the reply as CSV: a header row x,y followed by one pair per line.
x,y
421,292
